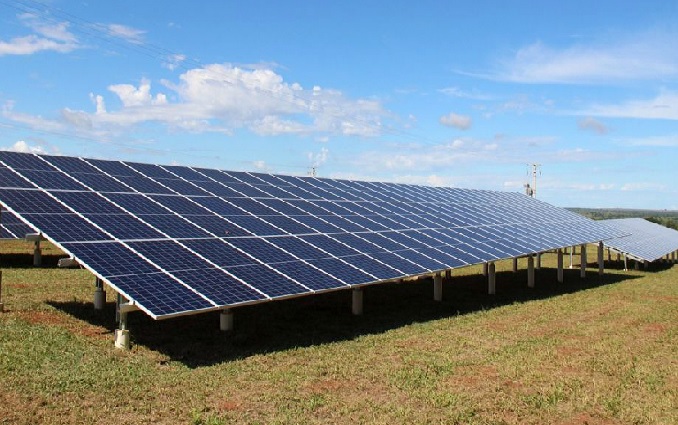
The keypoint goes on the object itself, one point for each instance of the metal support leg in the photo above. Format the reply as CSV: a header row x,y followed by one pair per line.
x,y
99,295
601,262
491,279
438,287
515,264
530,271
560,266
357,306
484,269
538,263
626,263
571,257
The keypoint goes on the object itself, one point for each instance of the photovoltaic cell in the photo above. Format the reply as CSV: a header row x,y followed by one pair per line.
x,y
176,239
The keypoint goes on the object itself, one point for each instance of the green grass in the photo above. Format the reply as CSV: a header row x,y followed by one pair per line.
x,y
601,350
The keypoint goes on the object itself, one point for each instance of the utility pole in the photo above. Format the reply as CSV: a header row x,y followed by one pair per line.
x,y
532,190
313,171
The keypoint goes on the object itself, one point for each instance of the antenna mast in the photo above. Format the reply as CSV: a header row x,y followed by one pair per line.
x,y
532,190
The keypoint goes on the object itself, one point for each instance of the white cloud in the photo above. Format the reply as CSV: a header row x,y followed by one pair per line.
x,y
639,56
461,122
655,141
643,186
318,158
223,98
466,94
129,34
592,124
174,61
22,146
663,106
47,37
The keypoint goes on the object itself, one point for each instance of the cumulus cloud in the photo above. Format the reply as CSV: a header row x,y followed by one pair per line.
x,y
460,122
640,56
46,37
592,124
23,147
174,61
223,98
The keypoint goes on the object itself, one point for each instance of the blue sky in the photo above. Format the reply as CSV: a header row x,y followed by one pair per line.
x,y
463,93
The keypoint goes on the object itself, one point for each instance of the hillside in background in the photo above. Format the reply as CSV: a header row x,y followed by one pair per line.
x,y
664,217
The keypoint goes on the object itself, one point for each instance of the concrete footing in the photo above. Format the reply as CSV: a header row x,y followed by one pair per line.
x,y
226,320
438,287
122,339
530,271
99,298
582,266
357,301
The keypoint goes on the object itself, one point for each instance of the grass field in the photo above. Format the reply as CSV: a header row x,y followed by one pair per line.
x,y
602,350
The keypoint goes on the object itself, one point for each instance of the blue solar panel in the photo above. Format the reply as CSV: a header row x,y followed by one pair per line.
x,y
208,239
645,241
270,282
11,227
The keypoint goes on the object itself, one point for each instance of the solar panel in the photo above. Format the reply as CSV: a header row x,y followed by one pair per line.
x,y
178,240
11,226
646,241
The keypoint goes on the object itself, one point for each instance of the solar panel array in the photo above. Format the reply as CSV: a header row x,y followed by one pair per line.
x,y
11,226
646,241
178,240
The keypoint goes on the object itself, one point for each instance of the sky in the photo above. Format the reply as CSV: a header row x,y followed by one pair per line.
x,y
466,93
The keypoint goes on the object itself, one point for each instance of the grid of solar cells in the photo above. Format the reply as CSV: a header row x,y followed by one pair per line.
x,y
646,241
217,238
11,226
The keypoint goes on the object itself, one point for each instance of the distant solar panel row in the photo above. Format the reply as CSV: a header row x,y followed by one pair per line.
x,y
178,239
11,227
646,241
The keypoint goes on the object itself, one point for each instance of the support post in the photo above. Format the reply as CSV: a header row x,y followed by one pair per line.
x,y
515,264
99,294
491,279
438,287
448,275
571,255
619,257
538,263
560,266
601,262
37,254
636,265
626,262
485,269
582,266
2,306
357,298
226,320
530,271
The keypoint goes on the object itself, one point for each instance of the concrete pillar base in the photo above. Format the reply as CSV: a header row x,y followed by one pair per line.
x,y
438,287
357,304
122,339
99,298
530,271
226,320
